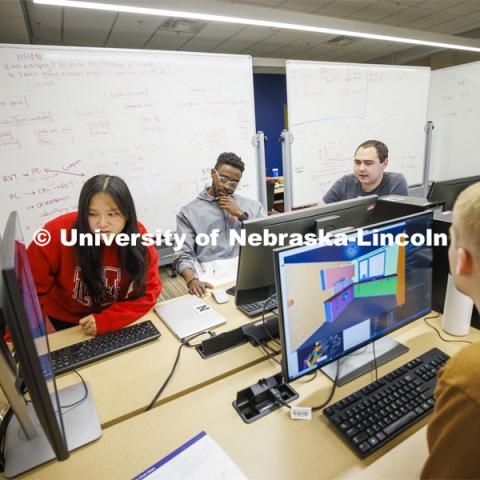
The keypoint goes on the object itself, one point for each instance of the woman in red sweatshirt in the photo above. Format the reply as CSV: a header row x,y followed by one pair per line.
x,y
101,288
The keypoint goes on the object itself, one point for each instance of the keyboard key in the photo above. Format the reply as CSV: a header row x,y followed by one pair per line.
x,y
398,424
360,437
364,447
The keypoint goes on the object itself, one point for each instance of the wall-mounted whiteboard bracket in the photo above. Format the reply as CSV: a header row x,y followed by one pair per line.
x,y
287,139
258,142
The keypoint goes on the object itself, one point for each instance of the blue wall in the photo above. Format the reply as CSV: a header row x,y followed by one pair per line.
x,y
270,98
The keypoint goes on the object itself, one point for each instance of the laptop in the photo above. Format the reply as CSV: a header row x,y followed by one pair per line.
x,y
186,316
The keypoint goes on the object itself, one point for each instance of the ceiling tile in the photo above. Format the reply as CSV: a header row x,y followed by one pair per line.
x,y
429,21
46,22
344,8
458,25
287,36
254,34
464,8
10,8
438,5
376,11
13,30
232,46
163,40
132,31
405,16
262,49
406,3
287,51
244,39
86,27
304,6
211,36
261,3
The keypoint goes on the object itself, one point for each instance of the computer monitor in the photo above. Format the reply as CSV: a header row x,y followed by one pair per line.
x,y
334,299
449,190
255,275
54,432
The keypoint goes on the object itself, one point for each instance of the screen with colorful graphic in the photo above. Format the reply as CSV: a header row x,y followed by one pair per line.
x,y
336,298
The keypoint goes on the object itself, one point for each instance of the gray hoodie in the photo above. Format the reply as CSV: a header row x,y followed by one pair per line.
x,y
203,215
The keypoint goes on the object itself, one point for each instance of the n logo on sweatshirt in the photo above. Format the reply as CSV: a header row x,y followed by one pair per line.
x,y
111,280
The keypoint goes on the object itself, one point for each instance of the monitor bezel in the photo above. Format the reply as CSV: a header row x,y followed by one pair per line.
x,y
278,251
440,184
313,213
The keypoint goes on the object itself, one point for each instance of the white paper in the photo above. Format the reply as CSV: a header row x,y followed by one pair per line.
x,y
217,272
200,457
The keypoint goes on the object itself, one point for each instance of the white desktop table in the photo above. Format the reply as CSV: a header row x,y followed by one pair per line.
x,y
272,447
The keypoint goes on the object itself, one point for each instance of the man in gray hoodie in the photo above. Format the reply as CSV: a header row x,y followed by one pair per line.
x,y
216,209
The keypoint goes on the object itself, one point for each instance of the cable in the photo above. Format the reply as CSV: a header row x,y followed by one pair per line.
x,y
440,335
313,374
264,347
264,323
184,343
279,398
3,434
327,401
85,395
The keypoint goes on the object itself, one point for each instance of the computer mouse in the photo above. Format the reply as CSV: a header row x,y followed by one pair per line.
x,y
220,295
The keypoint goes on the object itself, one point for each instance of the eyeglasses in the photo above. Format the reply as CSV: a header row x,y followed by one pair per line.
x,y
226,180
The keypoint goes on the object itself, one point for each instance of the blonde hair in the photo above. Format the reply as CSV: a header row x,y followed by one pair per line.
x,y
466,219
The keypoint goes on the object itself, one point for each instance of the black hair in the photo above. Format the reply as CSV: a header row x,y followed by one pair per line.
x,y
134,259
229,158
380,147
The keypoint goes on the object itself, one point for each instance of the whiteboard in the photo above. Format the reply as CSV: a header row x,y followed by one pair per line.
x,y
158,119
333,107
454,108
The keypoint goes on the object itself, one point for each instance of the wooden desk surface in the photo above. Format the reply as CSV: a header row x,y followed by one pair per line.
x,y
273,447
124,384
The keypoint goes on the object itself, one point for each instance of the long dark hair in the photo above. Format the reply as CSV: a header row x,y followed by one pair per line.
x,y
134,259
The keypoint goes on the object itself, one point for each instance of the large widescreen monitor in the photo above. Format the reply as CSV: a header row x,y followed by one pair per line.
x,y
334,299
255,277
60,423
27,327
448,190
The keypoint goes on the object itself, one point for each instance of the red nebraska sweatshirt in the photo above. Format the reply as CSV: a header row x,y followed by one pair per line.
x,y
63,294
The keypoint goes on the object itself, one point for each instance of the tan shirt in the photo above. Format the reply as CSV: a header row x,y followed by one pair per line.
x,y
454,433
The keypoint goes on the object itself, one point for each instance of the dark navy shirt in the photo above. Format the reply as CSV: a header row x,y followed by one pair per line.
x,y
349,187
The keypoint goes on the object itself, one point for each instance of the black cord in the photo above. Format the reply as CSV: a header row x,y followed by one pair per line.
x,y
327,401
264,323
85,395
439,334
3,434
184,343
264,347
279,398
313,374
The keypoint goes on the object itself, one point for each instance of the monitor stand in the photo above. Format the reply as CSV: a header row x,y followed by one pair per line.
x,y
81,427
361,361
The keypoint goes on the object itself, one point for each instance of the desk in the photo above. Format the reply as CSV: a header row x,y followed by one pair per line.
x,y
273,447
124,384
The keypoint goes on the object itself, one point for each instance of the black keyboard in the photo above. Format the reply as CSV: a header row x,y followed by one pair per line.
x,y
257,308
372,416
74,356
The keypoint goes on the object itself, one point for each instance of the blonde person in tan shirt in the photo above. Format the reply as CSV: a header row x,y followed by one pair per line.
x,y
454,432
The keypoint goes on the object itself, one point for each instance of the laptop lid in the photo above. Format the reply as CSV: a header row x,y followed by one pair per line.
x,y
188,315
